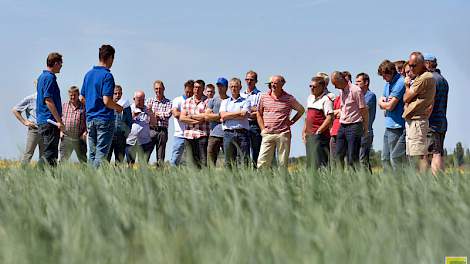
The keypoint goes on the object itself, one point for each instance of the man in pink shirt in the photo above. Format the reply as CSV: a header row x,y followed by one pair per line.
x,y
353,120
274,111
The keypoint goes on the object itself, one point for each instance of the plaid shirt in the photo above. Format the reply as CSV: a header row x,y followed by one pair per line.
x,y
74,119
193,107
162,110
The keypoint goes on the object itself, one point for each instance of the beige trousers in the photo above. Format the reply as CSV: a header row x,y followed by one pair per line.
x,y
269,143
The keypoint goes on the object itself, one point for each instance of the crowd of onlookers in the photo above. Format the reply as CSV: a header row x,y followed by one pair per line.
x,y
250,127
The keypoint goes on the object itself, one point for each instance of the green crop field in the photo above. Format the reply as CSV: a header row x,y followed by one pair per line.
x,y
76,214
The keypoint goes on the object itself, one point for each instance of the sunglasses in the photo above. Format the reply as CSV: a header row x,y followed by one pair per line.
x,y
249,79
313,86
412,65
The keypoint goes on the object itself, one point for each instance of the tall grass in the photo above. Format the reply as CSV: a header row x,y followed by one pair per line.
x,y
76,214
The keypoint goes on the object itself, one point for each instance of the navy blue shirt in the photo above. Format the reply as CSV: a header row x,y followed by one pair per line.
x,y
438,119
98,82
47,87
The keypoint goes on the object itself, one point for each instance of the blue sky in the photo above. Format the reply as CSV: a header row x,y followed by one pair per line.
x,y
176,41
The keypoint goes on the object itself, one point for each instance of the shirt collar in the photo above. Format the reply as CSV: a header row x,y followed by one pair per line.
x,y
49,72
100,68
255,91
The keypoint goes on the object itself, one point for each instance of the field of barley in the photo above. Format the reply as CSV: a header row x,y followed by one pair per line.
x,y
77,214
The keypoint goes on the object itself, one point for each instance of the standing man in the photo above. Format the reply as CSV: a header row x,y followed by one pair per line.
x,y
178,136
419,98
161,108
234,112
139,141
394,146
438,119
28,106
49,107
252,94
97,92
353,121
197,128
73,138
122,127
274,120
363,80
216,136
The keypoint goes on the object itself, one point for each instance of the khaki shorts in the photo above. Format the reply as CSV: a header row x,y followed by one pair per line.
x,y
416,137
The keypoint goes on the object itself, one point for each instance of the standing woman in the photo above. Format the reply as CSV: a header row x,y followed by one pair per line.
x,y
316,131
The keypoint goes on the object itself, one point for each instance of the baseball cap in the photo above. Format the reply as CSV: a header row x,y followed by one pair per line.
x,y
222,81
429,57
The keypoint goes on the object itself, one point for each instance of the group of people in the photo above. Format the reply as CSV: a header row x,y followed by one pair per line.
x,y
248,126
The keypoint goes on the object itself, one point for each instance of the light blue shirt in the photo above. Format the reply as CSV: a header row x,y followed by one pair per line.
x,y
252,97
140,129
28,106
235,105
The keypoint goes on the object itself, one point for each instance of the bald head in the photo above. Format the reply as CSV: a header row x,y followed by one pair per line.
x,y
339,80
139,98
277,82
416,63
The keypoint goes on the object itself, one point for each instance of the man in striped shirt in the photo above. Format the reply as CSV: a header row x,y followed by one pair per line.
x,y
274,111
73,138
196,132
161,108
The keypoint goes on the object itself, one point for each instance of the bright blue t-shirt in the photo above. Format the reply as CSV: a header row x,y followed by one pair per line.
x,y
98,82
47,87
396,88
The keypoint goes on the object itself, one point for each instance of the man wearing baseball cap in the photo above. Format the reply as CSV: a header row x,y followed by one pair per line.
x,y
437,119
216,136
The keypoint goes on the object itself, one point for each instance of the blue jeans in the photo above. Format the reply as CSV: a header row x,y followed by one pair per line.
x,y
254,135
348,143
178,151
364,153
394,149
100,136
236,143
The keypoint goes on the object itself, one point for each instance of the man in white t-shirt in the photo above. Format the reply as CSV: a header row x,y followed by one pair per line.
x,y
178,137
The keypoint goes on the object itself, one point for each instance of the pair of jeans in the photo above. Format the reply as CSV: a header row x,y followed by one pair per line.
x,y
141,152
49,138
213,148
118,147
364,152
159,142
196,149
236,145
394,148
254,133
178,151
318,150
32,140
100,136
348,143
68,145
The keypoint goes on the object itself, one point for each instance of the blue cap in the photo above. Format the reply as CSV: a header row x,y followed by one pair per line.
x,y
222,81
429,57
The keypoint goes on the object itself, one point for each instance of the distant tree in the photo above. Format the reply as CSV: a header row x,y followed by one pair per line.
x,y
459,154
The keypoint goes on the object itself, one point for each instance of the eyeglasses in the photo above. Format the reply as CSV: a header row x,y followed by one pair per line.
x,y
249,79
313,86
412,65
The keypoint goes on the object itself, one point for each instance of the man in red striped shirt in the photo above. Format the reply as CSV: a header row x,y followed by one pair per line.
x,y
75,134
274,111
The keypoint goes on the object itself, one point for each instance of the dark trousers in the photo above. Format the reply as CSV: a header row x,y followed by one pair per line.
x,y
159,142
141,152
68,145
348,143
49,136
236,146
197,151
364,152
318,150
254,133
118,147
213,148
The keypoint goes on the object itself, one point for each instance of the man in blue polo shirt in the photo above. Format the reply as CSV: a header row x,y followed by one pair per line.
x,y
438,119
49,110
394,147
97,92
234,112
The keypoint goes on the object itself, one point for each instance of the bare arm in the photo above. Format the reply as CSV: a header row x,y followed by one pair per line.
x,y
390,105
109,103
51,106
176,113
233,115
326,124
186,119
300,111
23,120
259,118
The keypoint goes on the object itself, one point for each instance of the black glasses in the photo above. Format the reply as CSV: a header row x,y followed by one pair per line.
x,y
249,79
412,65
313,86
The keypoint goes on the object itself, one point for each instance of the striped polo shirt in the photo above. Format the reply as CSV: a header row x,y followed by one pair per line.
x,y
276,112
438,120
